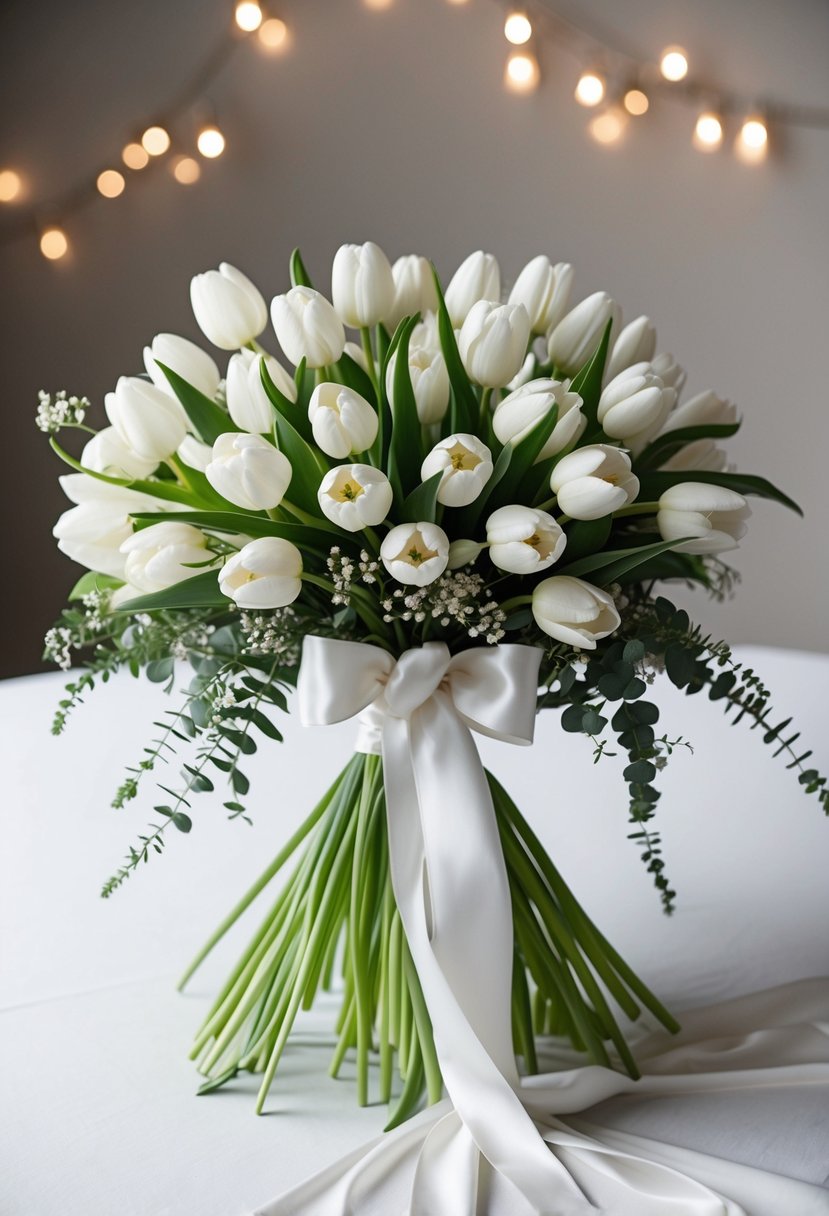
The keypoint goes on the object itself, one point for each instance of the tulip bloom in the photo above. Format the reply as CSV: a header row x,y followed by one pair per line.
x,y
712,515
247,402
307,327
634,404
592,482
362,285
429,379
573,341
524,540
355,496
635,344
701,454
523,408
266,573
463,553
107,453
414,289
342,421
544,290
163,554
150,422
477,278
669,372
706,409
493,342
185,359
573,611
248,471
195,454
92,532
229,309
466,464
415,553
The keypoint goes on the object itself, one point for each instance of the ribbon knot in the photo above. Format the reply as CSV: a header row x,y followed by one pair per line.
x,y
415,678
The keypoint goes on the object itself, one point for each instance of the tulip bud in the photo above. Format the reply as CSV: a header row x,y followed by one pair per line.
x,y
519,412
525,373
669,372
148,421
430,381
356,352
247,402
414,289
229,310
544,290
307,327
477,278
248,471
713,515
635,344
415,553
523,540
635,403
355,496
463,553
701,454
107,453
362,286
574,341
342,421
164,554
467,467
92,532
593,482
185,359
706,409
493,342
266,573
194,453
573,611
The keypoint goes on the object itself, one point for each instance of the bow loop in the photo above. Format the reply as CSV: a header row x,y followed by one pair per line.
x,y
416,677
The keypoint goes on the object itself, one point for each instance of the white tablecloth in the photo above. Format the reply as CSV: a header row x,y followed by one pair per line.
x,y
96,1093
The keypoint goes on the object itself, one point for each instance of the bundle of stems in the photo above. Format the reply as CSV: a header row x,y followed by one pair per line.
x,y
334,923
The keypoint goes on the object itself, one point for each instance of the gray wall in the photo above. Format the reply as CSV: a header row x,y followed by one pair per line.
x,y
394,126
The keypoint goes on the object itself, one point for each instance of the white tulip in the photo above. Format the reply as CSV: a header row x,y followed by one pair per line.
x,y
362,286
229,309
525,373
356,352
593,482
307,327
713,515
415,553
93,531
342,421
477,278
493,342
519,412
466,464
185,359
414,289
194,453
463,553
636,344
247,402
266,573
524,540
150,422
164,554
573,611
544,290
355,496
248,471
107,453
634,403
573,341
429,379
701,454
669,372
706,409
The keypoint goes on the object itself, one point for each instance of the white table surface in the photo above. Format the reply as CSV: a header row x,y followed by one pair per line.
x,y
97,1104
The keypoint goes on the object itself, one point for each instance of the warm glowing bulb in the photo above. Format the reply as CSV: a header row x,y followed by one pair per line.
x,y
458,3
211,142
378,4
522,72
518,29
186,170
708,132
752,142
155,140
273,34
110,183
674,63
607,127
53,244
636,102
10,185
135,157
590,89
248,15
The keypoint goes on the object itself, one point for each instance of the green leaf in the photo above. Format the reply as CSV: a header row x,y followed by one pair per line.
x,y
308,465
159,670
283,405
523,456
299,275
680,664
92,581
405,449
199,592
305,381
169,491
588,382
207,418
421,504
641,772
653,485
664,446
586,536
464,402
353,377
613,563
182,822
305,536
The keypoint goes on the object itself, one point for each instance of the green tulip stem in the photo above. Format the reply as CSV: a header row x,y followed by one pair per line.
x,y
365,338
486,394
637,508
517,601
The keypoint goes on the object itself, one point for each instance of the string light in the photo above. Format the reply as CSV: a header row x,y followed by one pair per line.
x,y
708,132
135,156
608,127
111,183
378,4
522,72
186,170
248,16
11,185
518,28
673,63
590,89
210,142
273,34
751,144
53,244
636,102
155,140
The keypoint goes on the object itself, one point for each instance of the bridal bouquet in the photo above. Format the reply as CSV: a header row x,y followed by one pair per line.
x,y
460,519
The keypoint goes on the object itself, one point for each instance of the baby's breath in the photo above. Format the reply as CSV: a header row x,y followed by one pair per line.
x,y
59,410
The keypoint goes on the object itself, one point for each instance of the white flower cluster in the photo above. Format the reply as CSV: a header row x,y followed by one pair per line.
x,y
96,608
272,633
456,597
225,699
57,647
55,411
342,570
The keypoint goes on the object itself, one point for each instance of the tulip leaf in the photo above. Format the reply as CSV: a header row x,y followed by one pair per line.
x,y
350,373
653,485
665,446
586,536
299,275
421,505
613,563
588,382
305,382
207,418
511,487
202,591
92,581
308,537
380,447
171,491
685,566
283,405
464,415
308,464
405,447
